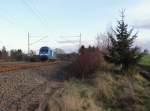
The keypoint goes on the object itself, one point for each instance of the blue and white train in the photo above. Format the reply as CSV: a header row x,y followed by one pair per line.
x,y
46,53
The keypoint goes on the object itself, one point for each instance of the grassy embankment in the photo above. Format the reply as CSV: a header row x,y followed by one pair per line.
x,y
145,60
105,92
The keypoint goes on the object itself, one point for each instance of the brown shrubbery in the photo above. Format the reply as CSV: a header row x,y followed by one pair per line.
x,y
88,61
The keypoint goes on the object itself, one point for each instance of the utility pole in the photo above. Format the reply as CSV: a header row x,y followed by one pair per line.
x,y
28,44
80,40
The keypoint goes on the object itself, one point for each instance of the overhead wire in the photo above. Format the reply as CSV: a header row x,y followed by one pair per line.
x,y
11,19
38,40
36,13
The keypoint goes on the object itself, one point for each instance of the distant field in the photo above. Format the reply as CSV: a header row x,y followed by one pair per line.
x,y
145,60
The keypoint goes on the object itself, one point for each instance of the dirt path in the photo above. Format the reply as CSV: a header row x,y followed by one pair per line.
x,y
22,90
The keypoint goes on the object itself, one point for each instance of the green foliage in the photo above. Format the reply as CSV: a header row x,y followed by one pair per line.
x,y
122,52
145,60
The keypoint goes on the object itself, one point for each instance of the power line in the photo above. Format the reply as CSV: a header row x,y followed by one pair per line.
x,y
35,12
29,44
68,41
72,41
38,40
10,19
36,9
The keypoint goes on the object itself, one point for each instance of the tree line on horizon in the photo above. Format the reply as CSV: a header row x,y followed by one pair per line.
x,y
13,54
19,55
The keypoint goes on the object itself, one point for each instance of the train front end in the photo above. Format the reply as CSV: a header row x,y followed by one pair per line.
x,y
45,53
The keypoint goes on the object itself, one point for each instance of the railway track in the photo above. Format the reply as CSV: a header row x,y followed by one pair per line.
x,y
7,68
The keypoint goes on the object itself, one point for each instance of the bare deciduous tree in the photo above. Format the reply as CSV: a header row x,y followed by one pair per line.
x,y
103,42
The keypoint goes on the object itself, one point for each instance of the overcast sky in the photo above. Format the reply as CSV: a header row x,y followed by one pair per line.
x,y
57,18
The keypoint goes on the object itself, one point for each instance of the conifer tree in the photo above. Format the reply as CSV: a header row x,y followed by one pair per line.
x,y
122,51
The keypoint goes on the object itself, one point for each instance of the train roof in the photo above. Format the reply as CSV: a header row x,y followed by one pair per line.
x,y
45,47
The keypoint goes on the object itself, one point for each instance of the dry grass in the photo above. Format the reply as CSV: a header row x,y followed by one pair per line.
x,y
103,93
120,92
71,100
103,88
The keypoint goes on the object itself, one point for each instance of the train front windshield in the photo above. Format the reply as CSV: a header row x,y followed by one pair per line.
x,y
44,50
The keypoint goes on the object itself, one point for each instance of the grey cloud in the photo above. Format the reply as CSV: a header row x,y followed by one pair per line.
x,y
146,45
144,24
143,45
